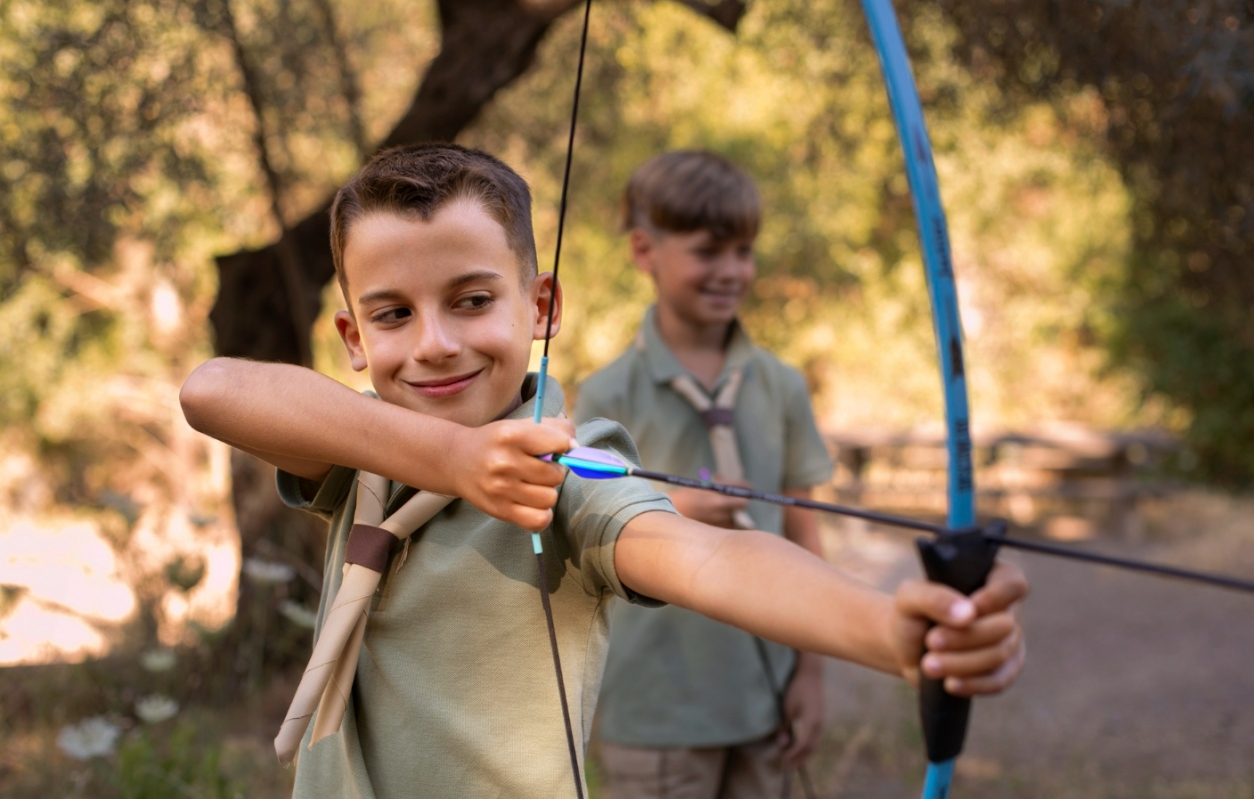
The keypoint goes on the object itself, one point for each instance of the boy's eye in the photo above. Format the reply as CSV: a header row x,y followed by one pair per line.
x,y
391,316
475,302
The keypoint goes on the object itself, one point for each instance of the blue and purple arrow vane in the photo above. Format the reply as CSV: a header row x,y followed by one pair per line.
x,y
595,464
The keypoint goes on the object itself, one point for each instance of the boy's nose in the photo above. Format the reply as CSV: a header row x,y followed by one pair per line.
x,y
436,342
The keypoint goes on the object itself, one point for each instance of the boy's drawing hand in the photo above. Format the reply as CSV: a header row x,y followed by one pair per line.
x,y
803,708
707,506
495,468
977,645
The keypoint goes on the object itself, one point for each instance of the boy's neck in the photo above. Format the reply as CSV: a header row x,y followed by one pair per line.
x,y
700,349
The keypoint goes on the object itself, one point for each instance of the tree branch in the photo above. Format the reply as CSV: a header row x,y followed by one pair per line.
x,y
487,44
726,13
288,259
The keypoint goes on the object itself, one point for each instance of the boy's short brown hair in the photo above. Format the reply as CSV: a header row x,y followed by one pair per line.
x,y
419,179
688,190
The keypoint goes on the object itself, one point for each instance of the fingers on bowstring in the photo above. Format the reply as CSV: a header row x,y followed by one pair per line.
x,y
533,519
564,426
513,477
551,435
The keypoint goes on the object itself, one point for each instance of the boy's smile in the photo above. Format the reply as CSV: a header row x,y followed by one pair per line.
x,y
443,317
699,280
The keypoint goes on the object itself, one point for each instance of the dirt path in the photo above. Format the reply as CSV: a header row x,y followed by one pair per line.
x,y
1136,686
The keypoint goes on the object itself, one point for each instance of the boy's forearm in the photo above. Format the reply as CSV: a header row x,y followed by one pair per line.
x,y
303,421
759,583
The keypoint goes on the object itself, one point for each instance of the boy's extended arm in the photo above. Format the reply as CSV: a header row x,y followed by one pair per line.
x,y
769,587
303,422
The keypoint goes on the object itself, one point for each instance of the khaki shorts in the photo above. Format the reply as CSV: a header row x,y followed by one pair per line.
x,y
747,771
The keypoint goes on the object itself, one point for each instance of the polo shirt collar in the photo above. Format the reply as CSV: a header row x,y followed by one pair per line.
x,y
665,367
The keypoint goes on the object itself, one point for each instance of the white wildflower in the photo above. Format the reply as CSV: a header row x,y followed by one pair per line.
x,y
267,571
157,660
156,708
93,737
298,614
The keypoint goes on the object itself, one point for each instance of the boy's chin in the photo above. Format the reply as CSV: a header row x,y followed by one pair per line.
x,y
463,410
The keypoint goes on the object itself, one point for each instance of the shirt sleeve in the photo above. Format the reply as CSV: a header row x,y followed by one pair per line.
x,y
321,498
807,462
591,514
593,403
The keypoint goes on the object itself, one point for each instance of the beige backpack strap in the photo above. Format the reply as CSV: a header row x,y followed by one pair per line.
x,y
718,417
328,678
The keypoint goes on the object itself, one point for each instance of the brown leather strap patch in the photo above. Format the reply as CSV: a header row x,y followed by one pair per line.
x,y
717,416
370,547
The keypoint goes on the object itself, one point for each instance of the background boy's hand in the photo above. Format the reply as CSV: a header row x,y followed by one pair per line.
x,y
707,506
803,709
495,468
977,645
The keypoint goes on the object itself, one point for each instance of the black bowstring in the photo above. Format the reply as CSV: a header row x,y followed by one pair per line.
x,y
777,693
548,334
570,153
906,522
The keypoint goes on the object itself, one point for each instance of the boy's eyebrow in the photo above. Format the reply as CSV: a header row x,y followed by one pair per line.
x,y
471,277
393,295
381,294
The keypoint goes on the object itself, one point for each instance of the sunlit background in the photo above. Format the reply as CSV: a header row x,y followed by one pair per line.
x,y
1097,167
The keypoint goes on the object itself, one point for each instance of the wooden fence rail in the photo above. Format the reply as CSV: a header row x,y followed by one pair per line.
x,y
1070,480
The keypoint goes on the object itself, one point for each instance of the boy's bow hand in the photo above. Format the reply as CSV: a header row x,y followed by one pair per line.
x,y
496,469
976,645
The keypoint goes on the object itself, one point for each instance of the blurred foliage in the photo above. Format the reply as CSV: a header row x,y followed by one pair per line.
x,y
174,763
1038,212
1176,80
126,162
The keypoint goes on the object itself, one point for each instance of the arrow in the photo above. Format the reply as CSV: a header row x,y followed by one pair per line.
x,y
596,464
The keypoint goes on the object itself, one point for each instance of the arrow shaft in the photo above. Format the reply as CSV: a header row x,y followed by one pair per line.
x,y
908,523
783,499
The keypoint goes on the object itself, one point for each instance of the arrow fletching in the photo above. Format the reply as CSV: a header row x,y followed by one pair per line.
x,y
593,464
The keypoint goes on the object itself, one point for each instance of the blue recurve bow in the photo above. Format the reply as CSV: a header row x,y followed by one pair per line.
x,y
960,559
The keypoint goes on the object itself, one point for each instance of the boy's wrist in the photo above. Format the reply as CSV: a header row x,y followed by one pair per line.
x,y
809,664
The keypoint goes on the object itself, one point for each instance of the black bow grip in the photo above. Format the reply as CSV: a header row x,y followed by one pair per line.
x,y
961,560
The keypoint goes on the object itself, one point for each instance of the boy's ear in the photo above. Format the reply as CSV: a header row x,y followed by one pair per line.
x,y
642,244
351,336
542,293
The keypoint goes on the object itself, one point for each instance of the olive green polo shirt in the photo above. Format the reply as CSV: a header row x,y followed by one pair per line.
x,y
455,694
673,677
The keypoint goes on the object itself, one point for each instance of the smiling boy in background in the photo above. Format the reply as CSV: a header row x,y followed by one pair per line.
x,y
691,707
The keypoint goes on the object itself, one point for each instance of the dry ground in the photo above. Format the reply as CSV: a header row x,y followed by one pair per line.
x,y
1136,687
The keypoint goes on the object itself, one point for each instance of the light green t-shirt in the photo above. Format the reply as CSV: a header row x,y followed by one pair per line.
x,y
674,678
455,694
